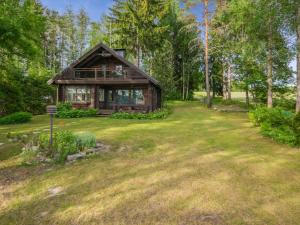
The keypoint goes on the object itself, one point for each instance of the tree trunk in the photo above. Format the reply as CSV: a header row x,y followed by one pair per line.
x,y
187,86
208,99
247,95
224,82
229,82
183,88
270,68
298,60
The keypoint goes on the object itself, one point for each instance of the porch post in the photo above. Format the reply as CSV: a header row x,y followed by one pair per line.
x,y
149,98
57,94
96,101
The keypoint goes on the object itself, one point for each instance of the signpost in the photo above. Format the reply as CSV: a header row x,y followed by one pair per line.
x,y
51,109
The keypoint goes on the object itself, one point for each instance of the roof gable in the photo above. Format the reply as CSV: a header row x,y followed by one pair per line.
x,y
114,54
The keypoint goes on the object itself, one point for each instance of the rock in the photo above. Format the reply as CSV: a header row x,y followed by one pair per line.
x,y
55,191
44,213
48,160
13,139
35,148
1,144
91,151
99,145
79,155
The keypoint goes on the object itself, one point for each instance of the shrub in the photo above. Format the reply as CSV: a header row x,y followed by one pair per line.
x,y
296,128
64,144
158,114
64,110
273,116
18,117
64,106
283,134
85,140
276,123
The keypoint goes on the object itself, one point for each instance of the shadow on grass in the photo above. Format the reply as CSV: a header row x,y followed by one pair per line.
x,y
196,167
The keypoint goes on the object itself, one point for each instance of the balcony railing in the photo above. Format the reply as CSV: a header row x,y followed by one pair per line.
x,y
98,73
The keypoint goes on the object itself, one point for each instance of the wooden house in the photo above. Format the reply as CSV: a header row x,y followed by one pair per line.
x,y
103,79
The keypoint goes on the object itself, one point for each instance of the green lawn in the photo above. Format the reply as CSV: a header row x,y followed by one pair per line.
x,y
198,166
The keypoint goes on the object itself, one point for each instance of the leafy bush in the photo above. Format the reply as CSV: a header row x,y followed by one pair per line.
x,y
18,117
85,140
64,144
64,106
287,104
158,114
273,116
65,110
282,134
296,128
276,123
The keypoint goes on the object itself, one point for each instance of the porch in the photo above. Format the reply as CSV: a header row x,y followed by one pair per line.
x,y
108,98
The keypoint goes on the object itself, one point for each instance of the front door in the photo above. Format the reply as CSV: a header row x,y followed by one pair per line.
x,y
101,98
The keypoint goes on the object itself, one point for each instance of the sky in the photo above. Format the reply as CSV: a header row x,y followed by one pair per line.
x,y
96,8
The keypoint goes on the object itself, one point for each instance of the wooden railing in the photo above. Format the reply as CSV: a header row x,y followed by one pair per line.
x,y
98,73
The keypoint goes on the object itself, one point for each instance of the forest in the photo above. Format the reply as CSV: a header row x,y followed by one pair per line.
x,y
236,44
207,132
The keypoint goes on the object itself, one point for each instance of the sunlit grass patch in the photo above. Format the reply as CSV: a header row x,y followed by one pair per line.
x,y
198,166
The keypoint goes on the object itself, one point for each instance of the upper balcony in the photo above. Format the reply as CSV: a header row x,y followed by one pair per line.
x,y
102,74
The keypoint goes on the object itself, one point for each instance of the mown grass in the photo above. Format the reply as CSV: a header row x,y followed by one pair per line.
x,y
198,166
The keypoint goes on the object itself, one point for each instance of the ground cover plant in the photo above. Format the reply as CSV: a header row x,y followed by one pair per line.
x,y
204,166
65,110
157,114
18,117
277,123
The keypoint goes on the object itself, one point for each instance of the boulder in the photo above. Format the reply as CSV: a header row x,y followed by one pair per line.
x,y
76,156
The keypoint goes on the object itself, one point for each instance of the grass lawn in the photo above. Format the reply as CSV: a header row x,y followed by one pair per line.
x,y
198,166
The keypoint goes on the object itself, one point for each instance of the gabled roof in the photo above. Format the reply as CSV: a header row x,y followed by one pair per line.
x,y
113,53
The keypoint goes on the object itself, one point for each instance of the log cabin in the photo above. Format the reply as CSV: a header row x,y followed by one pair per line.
x,y
103,79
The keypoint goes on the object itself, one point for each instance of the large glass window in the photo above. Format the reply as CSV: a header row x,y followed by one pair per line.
x,y
138,97
123,97
133,97
101,94
78,94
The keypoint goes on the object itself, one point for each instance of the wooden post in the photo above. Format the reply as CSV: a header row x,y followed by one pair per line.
x,y
95,73
57,94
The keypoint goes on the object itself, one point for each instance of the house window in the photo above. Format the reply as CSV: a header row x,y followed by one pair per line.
x,y
101,95
103,70
119,70
78,94
110,96
132,97
123,96
138,97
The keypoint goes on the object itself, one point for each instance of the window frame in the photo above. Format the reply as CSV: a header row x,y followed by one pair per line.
x,y
74,97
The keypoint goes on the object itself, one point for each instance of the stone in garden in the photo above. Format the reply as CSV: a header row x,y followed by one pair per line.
x,y
99,145
55,191
12,139
44,213
91,151
79,155
35,148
